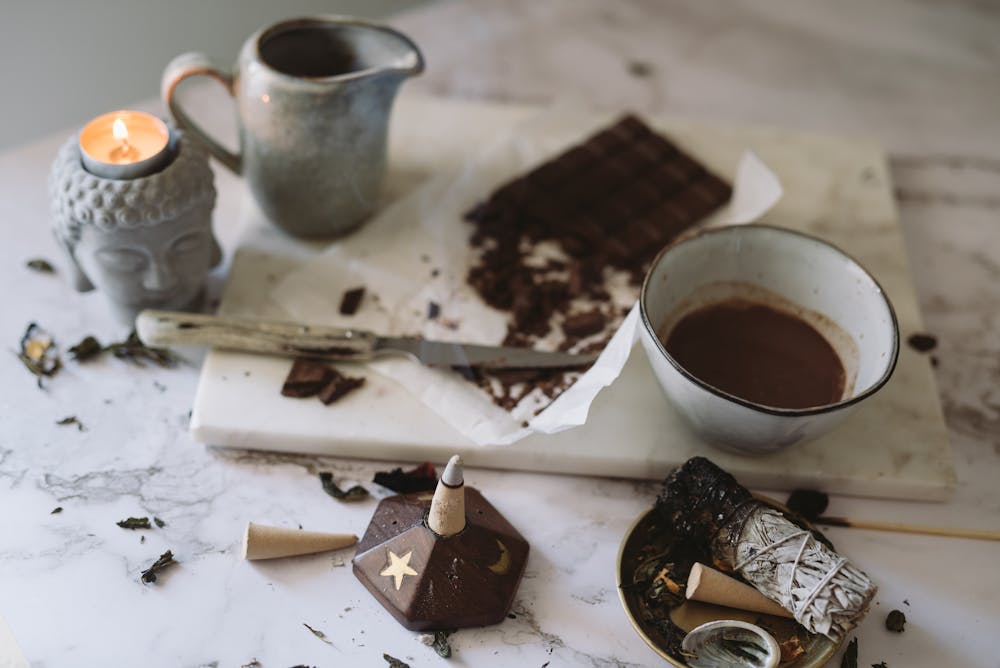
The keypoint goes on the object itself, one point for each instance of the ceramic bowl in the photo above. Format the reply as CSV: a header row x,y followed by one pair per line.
x,y
791,271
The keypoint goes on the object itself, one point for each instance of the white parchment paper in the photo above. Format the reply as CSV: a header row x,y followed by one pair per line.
x,y
416,251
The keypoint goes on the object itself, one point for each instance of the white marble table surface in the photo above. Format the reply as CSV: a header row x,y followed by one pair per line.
x,y
922,78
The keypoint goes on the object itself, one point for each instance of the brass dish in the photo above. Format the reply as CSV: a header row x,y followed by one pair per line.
x,y
647,531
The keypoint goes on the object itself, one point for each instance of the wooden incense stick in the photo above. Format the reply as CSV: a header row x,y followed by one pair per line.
x,y
951,532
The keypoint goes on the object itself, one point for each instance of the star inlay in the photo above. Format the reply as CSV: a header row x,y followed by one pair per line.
x,y
398,567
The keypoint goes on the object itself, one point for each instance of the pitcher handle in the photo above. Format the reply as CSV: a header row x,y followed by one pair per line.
x,y
189,65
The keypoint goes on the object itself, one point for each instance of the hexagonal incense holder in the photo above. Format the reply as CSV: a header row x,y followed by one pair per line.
x,y
442,561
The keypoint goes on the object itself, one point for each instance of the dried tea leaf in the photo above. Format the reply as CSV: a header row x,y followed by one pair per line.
x,y
394,662
850,658
441,644
355,493
319,634
254,663
895,621
133,350
41,266
69,420
39,353
87,349
166,559
56,510
134,523
423,478
160,523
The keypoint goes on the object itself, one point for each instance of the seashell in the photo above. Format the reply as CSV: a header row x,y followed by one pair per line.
x,y
729,643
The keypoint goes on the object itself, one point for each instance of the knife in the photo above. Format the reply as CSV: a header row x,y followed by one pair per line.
x,y
157,328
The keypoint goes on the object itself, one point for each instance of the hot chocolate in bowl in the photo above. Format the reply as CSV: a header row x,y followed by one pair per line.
x,y
763,337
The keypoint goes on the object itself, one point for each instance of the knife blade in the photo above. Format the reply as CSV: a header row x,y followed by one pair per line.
x,y
159,328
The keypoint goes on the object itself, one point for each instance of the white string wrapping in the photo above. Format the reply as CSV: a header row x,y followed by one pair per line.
x,y
824,592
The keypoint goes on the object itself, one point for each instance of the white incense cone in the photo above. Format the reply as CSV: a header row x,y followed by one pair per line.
x,y
447,513
710,586
264,542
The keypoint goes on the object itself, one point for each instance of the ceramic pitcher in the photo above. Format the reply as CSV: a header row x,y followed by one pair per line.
x,y
313,98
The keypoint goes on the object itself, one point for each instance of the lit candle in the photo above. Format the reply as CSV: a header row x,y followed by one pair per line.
x,y
125,145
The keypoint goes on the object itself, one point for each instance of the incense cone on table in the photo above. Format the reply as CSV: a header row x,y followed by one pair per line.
x,y
710,586
265,542
442,561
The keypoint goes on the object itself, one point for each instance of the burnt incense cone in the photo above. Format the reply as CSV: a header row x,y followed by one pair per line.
x,y
265,542
711,586
447,513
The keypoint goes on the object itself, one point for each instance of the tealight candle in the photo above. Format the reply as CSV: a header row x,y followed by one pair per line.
x,y
125,145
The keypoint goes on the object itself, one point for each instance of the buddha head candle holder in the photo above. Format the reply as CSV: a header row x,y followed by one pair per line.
x,y
132,207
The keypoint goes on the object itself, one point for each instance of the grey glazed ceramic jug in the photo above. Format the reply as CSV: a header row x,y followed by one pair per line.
x,y
313,98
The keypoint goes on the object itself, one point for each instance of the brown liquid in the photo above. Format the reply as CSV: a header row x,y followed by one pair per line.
x,y
758,353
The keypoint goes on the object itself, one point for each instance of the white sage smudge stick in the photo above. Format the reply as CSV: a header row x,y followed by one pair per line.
x,y
824,591
789,565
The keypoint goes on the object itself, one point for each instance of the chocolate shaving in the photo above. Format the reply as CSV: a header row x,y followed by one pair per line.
x,y
433,310
351,300
423,478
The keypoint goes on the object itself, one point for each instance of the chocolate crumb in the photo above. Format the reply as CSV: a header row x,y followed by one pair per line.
x,y
922,342
895,621
880,664
435,272
433,310
351,300
906,602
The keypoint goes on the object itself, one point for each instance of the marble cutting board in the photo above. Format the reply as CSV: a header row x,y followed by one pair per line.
x,y
837,188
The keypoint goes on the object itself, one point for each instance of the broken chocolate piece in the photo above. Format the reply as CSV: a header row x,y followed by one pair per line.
x,y
423,478
306,378
337,386
433,310
351,300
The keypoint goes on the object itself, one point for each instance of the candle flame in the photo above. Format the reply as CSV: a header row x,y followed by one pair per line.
x,y
120,130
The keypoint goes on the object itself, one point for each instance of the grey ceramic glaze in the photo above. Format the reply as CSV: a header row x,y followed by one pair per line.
x,y
145,242
313,98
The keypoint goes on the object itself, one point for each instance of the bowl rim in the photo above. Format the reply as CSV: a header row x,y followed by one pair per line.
x,y
650,331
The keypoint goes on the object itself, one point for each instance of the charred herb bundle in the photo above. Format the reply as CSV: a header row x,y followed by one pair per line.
x,y
785,562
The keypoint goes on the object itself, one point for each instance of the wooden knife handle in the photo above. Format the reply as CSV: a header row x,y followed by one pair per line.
x,y
159,328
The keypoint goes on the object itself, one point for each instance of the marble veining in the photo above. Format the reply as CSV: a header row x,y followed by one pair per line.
x,y
920,78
